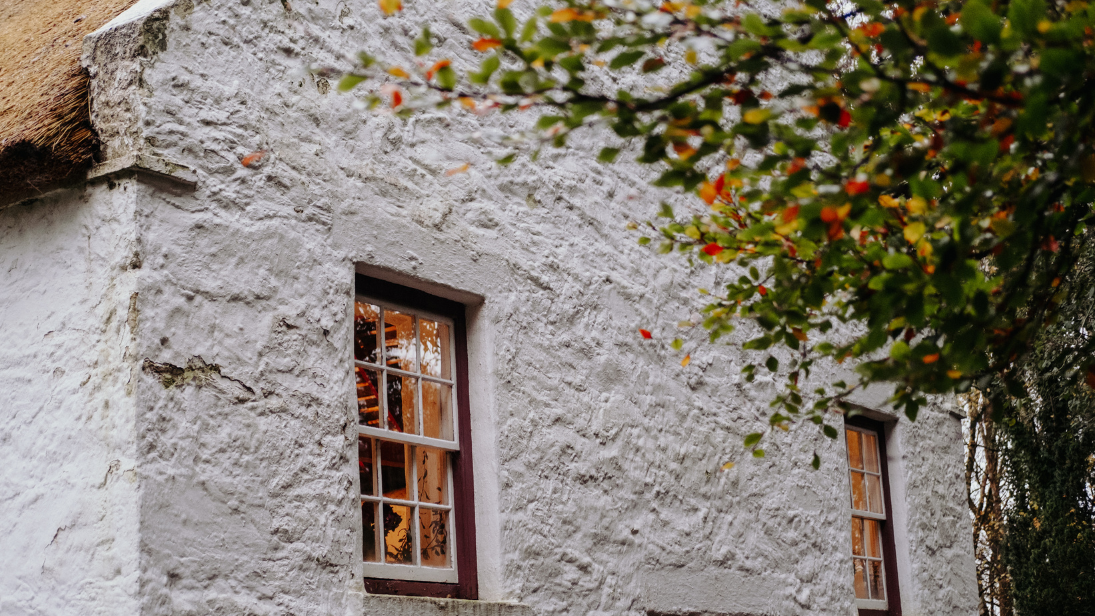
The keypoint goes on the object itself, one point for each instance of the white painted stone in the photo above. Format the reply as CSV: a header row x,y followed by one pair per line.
x,y
597,455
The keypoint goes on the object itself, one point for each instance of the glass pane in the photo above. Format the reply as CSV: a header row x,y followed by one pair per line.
x,y
395,470
436,355
399,346
859,492
368,531
436,410
401,394
857,536
398,538
874,493
874,568
365,466
860,567
368,397
855,456
366,321
434,530
870,452
432,476
873,532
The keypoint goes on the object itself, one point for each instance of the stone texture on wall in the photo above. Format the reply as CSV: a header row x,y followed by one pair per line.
x,y
597,471
68,465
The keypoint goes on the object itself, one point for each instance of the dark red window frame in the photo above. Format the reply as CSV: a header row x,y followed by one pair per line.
x,y
467,586
889,551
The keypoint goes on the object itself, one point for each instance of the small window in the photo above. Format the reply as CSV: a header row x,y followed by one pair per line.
x,y
873,567
414,449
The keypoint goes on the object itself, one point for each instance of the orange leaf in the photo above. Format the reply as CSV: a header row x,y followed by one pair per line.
x,y
1090,378
395,71
436,67
390,7
954,374
790,213
687,360
486,44
712,249
931,359
832,214
919,86
569,14
253,158
763,291
872,29
856,188
798,334
708,192
646,334
461,169
683,150
502,4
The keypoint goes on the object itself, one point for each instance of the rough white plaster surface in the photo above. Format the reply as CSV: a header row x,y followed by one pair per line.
x,y
598,455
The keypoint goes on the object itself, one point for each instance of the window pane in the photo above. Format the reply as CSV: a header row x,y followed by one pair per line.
x,y
432,476
860,567
366,321
435,348
436,410
401,395
874,570
870,452
398,539
434,530
874,493
873,532
855,456
857,537
368,531
365,466
368,397
399,345
859,492
395,472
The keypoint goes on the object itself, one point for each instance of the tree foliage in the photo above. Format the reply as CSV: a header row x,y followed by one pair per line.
x,y
921,170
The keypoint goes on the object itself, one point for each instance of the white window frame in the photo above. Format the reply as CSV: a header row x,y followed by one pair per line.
x,y
416,572
869,604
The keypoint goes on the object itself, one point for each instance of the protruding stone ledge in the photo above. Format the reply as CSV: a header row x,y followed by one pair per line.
x,y
156,167
389,605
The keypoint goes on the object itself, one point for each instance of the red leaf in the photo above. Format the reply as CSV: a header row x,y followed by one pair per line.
x,y
931,359
253,158
645,334
762,290
712,249
856,188
845,119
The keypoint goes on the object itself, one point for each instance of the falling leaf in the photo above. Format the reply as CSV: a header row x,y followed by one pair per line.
x,y
646,334
727,466
395,71
455,170
687,360
486,44
390,7
931,359
253,158
712,249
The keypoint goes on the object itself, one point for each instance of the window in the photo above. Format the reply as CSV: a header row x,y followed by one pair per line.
x,y
414,442
873,566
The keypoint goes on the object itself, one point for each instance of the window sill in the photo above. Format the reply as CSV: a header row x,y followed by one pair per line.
x,y
393,605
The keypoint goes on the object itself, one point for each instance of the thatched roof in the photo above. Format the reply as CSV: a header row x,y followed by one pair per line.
x,y
46,137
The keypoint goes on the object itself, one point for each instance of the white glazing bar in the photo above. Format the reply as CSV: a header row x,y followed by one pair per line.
x,y
398,372
414,439
382,395
405,503
412,495
867,514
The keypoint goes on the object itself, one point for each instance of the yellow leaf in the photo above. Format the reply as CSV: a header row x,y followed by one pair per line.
x,y
390,7
756,116
395,71
690,56
917,205
687,360
954,374
503,4
569,14
888,201
914,232
924,248
461,169
727,466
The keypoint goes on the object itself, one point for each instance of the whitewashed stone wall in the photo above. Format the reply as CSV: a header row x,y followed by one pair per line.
x,y
597,455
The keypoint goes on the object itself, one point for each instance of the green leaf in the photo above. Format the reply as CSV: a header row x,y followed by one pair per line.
x,y
446,78
626,58
816,462
771,363
979,20
829,431
758,453
758,344
423,44
484,27
507,159
1024,16
677,344
897,260
529,31
505,18
753,439
487,68
348,82
608,155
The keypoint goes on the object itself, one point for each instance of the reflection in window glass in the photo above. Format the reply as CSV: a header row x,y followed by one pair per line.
x,y
399,344
434,530
867,514
398,538
366,323
436,410
435,348
401,397
368,397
